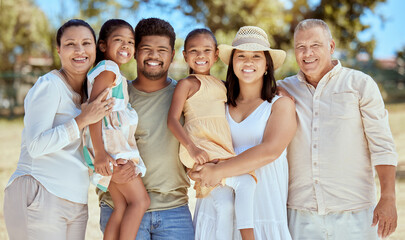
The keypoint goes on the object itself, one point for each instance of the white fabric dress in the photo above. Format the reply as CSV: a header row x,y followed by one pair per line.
x,y
270,203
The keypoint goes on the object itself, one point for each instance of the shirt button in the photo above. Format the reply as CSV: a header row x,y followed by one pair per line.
x,y
316,113
314,145
315,163
315,129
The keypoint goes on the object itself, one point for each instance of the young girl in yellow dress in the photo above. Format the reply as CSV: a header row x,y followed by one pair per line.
x,y
206,136
113,138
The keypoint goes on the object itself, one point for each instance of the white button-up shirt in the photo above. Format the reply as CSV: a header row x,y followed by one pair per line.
x,y
343,132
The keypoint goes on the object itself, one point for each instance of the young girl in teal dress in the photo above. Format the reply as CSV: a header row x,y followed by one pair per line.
x,y
113,137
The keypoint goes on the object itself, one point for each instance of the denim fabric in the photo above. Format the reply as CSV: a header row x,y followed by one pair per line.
x,y
172,224
105,213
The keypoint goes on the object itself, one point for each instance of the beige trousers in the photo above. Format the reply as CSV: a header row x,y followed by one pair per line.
x,y
32,213
345,225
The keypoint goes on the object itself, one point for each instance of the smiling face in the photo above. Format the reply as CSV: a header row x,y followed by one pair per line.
x,y
313,52
120,46
77,50
249,66
154,56
200,53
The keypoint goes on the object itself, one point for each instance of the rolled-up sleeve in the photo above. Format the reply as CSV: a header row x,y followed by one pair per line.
x,y
376,126
41,105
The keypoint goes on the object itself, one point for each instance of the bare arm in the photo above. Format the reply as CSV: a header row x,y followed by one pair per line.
x,y
94,111
279,131
283,93
101,159
385,213
184,89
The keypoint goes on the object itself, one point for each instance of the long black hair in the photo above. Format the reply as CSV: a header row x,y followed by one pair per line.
x,y
199,31
232,82
109,27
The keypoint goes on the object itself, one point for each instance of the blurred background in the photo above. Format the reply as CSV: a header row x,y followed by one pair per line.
x,y
369,35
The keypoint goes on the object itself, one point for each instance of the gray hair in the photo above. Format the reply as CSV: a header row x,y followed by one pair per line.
x,y
311,23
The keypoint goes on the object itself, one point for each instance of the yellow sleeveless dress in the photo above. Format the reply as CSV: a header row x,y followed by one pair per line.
x,y
206,125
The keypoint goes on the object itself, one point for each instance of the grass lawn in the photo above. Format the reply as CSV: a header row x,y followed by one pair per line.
x,y
10,139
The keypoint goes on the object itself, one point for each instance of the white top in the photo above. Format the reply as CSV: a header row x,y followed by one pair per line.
x,y
270,202
51,148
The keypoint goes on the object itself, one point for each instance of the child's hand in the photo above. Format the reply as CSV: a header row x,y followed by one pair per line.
x,y
102,163
200,156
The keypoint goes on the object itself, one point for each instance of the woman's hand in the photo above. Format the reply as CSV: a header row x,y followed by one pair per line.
x,y
200,156
95,111
208,174
102,163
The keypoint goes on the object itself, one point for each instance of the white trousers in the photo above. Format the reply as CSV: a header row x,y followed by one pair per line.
x,y
345,225
226,204
32,213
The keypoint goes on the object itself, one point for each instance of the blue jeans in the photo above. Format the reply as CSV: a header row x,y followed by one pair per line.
x,y
172,224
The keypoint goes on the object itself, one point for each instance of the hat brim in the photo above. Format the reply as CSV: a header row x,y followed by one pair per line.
x,y
277,55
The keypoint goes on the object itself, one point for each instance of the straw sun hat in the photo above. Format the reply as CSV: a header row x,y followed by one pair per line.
x,y
250,38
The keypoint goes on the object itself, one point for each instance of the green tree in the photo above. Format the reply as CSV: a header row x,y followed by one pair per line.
x,y
24,27
24,34
279,19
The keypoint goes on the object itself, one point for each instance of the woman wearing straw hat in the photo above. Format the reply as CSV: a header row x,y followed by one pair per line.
x,y
262,125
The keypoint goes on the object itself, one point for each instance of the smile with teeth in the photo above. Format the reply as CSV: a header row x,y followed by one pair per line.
x,y
80,59
152,63
309,61
124,54
248,70
201,63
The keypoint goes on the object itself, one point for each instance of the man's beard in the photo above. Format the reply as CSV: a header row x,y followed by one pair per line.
x,y
153,75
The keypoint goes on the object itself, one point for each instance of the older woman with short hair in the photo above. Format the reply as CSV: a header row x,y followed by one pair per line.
x,y
46,197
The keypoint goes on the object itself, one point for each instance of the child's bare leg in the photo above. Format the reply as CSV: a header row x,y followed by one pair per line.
x,y
247,234
112,229
137,203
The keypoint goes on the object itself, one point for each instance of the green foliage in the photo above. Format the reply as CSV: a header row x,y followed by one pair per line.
x,y
24,33
129,70
279,19
343,17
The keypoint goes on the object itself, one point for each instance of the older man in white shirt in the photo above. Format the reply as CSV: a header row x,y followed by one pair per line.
x,y
343,135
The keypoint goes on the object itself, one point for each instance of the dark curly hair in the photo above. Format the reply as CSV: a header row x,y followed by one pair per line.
x,y
154,26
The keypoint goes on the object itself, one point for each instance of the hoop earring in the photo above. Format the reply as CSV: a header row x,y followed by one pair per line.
x,y
265,73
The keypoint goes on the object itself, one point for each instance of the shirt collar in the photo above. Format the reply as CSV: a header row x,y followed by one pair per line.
x,y
328,75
